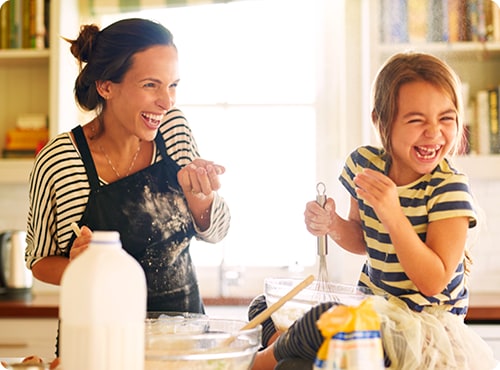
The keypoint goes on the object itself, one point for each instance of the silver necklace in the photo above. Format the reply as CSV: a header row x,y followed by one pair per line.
x,y
131,164
109,159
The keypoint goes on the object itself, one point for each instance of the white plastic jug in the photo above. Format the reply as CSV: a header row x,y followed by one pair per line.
x,y
103,308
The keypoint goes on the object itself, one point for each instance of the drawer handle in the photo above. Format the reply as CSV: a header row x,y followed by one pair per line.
x,y
13,345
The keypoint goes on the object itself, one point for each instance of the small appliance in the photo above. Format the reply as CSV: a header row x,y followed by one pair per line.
x,y
16,280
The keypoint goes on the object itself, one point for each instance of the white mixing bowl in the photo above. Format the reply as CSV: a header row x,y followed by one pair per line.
x,y
317,292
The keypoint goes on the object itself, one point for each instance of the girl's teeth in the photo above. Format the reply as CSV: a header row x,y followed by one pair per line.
x,y
426,152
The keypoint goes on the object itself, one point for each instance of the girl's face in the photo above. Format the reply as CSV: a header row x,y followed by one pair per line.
x,y
424,131
148,90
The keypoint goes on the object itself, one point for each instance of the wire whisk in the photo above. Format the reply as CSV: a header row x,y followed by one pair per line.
x,y
322,285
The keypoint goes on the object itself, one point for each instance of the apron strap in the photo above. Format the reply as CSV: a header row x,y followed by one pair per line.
x,y
83,147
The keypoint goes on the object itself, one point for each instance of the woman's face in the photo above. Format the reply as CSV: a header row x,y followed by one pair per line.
x,y
147,91
424,131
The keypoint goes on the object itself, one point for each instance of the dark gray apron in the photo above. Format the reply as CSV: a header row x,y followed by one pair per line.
x,y
150,212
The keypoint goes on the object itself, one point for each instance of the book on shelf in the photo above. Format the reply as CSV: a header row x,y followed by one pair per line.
x,y
437,21
15,23
5,25
487,119
494,121
24,24
457,24
393,16
495,23
418,15
40,24
481,123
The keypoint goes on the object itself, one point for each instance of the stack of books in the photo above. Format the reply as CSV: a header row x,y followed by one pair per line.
x,y
27,138
24,24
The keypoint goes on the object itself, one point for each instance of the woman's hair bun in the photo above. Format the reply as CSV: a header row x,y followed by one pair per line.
x,y
82,47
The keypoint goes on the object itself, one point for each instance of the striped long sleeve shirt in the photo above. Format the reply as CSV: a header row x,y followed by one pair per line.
x,y
59,190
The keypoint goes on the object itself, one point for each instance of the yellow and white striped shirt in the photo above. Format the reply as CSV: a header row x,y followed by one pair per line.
x,y
442,194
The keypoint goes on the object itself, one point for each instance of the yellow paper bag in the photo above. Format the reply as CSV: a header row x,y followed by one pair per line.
x,y
352,339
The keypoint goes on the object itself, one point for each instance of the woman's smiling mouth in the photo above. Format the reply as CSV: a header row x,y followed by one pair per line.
x,y
152,120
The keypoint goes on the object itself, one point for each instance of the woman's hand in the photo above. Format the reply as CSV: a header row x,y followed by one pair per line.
x,y
81,242
200,178
198,181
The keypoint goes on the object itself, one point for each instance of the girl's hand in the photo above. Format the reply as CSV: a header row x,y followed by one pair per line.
x,y
318,220
200,178
80,243
380,192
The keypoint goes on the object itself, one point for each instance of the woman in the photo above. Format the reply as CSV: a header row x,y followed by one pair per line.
x,y
134,168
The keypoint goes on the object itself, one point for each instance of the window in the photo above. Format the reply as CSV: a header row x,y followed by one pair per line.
x,y
249,72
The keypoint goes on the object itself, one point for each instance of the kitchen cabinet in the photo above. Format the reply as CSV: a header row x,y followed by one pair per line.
x,y
476,63
491,334
39,81
26,337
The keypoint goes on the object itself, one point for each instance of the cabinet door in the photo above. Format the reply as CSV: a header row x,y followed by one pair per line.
x,y
26,337
491,334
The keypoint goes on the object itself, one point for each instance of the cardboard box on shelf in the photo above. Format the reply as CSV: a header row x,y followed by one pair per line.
x,y
24,143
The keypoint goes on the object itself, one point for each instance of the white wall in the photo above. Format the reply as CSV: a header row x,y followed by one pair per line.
x,y
485,275
13,206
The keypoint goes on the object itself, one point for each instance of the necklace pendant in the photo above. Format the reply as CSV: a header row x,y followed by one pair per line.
x,y
108,159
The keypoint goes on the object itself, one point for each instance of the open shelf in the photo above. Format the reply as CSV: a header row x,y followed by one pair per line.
x,y
10,57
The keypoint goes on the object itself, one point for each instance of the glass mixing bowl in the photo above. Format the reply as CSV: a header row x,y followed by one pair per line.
x,y
317,292
193,341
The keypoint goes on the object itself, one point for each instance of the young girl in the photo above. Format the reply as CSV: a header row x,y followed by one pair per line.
x,y
410,211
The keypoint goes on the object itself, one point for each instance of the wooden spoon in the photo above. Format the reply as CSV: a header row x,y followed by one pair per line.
x,y
257,320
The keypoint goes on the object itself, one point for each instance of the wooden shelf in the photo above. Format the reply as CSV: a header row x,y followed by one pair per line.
x,y
449,49
23,56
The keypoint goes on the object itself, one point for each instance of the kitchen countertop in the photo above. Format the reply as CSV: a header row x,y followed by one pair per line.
x,y
484,308
47,305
